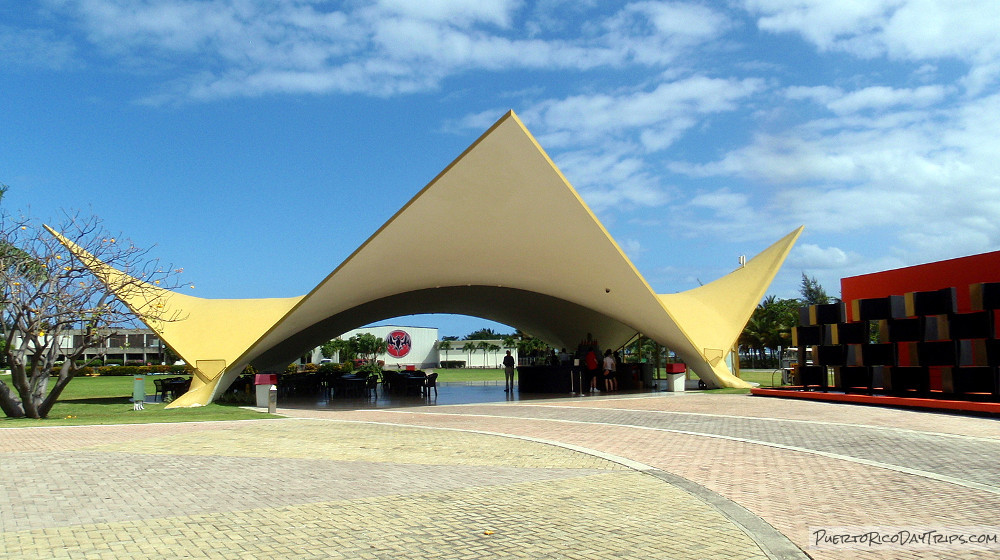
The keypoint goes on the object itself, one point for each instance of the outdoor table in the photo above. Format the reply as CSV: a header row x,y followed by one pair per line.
x,y
176,386
413,383
546,379
349,385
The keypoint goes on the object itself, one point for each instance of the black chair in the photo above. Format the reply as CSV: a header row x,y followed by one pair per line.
x,y
388,380
161,391
371,386
430,383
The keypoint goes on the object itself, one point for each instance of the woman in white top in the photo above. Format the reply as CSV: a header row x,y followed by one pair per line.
x,y
610,383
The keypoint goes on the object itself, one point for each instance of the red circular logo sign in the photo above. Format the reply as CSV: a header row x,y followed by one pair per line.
x,y
398,344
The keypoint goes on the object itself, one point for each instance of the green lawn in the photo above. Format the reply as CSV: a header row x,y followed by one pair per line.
x,y
762,376
469,375
106,400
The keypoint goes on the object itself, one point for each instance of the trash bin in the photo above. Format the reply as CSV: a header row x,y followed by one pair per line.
x,y
263,381
675,377
646,375
138,392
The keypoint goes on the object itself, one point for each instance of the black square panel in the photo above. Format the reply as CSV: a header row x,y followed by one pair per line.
x,y
937,302
964,326
878,354
853,333
939,353
906,330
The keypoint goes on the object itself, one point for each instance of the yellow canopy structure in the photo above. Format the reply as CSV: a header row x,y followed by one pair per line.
x,y
555,273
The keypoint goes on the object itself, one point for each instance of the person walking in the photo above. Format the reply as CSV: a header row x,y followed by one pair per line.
x,y
508,372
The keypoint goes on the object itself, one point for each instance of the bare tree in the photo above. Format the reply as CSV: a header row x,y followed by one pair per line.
x,y
47,291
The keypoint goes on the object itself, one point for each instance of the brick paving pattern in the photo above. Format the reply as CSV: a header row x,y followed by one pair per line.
x,y
318,489
798,465
443,481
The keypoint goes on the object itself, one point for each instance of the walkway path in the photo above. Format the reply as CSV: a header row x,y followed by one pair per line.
x,y
651,476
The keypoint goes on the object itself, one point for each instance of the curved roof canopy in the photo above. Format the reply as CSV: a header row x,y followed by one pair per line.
x,y
555,273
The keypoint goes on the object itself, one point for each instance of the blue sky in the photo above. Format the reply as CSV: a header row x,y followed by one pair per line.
x,y
257,144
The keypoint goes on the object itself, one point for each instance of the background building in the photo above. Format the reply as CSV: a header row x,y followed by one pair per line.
x,y
407,346
127,347
419,347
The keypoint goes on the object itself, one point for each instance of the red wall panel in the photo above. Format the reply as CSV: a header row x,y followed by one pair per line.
x,y
958,272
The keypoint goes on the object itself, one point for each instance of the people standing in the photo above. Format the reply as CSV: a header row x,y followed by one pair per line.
x,y
610,382
508,372
588,353
614,378
590,362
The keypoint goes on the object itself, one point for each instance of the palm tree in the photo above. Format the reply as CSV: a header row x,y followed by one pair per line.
x,y
484,346
340,347
769,327
445,345
495,349
509,341
469,347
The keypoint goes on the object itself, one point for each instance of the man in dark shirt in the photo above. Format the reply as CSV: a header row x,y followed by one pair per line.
x,y
508,372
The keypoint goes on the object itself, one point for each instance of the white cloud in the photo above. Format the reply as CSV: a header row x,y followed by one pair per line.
x,y
812,256
461,12
828,25
612,178
818,94
654,32
659,116
723,202
608,137
964,29
34,47
253,47
931,183
881,97
632,247
913,30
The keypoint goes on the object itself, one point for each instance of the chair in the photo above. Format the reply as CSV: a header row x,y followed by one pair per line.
x,y
161,391
430,383
414,383
371,386
388,378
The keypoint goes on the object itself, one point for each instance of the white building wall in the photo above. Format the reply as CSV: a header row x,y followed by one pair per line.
x,y
477,359
424,352
423,346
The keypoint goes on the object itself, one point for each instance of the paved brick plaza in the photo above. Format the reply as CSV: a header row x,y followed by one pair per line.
x,y
645,476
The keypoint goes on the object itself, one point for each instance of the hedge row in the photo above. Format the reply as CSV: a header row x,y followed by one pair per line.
x,y
129,370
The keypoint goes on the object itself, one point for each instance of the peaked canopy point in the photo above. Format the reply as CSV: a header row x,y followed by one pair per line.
x,y
559,277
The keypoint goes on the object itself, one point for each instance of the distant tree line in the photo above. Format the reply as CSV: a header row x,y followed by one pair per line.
x,y
770,326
